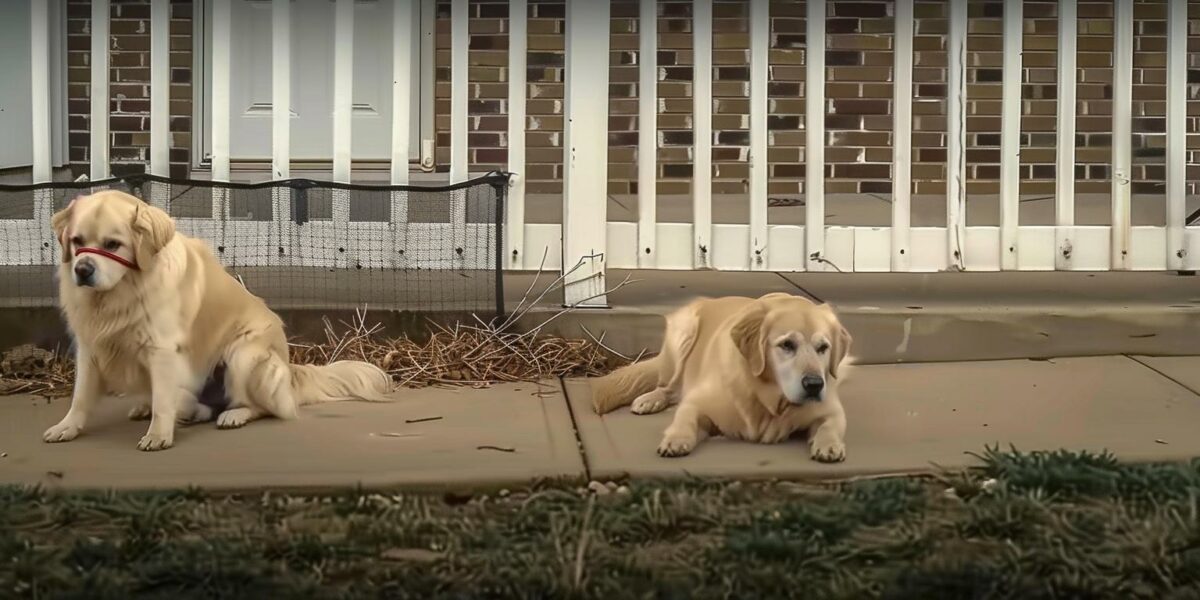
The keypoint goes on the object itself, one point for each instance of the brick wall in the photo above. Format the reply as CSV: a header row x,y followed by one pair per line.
x,y
859,91
129,81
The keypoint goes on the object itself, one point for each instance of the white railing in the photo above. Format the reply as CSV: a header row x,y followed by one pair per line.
x,y
650,244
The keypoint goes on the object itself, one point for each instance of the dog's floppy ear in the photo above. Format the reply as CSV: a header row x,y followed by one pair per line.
x,y
152,230
59,222
747,334
839,345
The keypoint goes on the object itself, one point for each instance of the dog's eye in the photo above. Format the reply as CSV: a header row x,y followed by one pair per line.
x,y
822,348
787,346
77,240
112,245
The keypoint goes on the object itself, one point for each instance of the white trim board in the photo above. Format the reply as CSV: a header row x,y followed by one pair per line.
x,y
849,249
868,249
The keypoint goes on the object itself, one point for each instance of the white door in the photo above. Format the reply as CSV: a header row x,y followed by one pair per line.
x,y
16,113
312,81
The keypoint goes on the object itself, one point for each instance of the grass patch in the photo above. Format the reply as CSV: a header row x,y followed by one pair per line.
x,y
1037,525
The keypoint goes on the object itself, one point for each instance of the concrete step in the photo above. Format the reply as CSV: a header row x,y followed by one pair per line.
x,y
932,317
894,317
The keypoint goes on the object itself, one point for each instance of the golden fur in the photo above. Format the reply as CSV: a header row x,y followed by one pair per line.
x,y
756,369
158,332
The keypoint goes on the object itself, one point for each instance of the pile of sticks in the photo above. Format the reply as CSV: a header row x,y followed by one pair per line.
x,y
475,354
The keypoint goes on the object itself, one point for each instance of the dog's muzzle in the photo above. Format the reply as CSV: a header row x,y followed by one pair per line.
x,y
812,387
121,260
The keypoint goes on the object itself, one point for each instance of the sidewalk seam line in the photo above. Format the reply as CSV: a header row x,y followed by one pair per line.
x,y
802,289
1164,375
587,469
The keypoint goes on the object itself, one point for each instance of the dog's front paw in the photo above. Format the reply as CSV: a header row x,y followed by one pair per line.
x,y
139,412
153,441
199,414
65,431
828,451
233,418
676,445
649,403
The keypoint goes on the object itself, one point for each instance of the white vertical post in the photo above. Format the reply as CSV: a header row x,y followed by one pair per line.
x,y
160,99
427,13
99,91
585,153
1177,58
39,51
460,41
281,112
343,88
1010,136
902,95
402,81
221,40
160,87
459,45
343,105
281,92
956,134
647,176
1064,184
702,40
518,40
59,154
814,139
43,200
760,41
1122,131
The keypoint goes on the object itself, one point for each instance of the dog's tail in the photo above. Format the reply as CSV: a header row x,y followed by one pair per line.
x,y
620,387
341,380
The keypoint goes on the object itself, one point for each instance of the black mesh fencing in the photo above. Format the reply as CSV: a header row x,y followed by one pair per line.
x,y
297,243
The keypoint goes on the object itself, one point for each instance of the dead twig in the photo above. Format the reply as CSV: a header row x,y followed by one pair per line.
x,y
422,420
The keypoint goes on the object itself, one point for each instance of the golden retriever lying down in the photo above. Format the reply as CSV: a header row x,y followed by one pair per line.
x,y
154,315
751,369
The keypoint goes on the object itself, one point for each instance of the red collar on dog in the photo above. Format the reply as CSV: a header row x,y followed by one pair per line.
x,y
109,255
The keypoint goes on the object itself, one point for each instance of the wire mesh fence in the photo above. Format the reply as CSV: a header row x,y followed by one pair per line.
x,y
297,243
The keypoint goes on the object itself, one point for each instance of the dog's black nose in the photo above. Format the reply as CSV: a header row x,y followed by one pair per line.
x,y
812,384
84,270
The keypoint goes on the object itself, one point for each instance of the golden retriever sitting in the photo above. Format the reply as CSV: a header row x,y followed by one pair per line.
x,y
752,369
154,315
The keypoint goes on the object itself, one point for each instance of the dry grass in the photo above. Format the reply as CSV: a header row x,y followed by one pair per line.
x,y
471,355
51,375
462,355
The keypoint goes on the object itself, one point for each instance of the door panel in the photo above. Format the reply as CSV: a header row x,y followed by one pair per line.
x,y
16,113
312,81
16,108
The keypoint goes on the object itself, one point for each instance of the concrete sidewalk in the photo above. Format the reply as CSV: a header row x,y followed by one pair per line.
x,y
428,438
902,418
